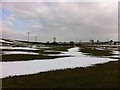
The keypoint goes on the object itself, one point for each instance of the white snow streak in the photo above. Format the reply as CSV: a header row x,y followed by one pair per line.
x,y
23,48
20,52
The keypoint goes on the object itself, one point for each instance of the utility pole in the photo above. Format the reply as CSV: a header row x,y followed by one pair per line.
x,y
28,33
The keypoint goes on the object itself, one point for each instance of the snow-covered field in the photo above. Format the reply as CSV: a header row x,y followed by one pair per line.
x,y
22,48
35,66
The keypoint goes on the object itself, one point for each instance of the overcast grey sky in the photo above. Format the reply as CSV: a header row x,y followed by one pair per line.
x,y
66,21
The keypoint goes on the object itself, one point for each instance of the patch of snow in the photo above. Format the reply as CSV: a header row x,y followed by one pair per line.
x,y
50,51
99,48
110,45
23,48
19,52
115,56
44,47
3,41
56,55
116,52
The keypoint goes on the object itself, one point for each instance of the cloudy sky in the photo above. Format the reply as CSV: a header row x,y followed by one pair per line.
x,y
66,21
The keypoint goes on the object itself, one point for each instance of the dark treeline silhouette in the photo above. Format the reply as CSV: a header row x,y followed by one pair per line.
x,y
70,43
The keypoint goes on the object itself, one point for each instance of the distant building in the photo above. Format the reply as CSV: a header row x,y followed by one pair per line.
x,y
47,42
72,43
92,41
111,42
54,39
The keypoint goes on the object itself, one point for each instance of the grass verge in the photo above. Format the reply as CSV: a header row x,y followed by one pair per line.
x,y
94,52
61,48
22,57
